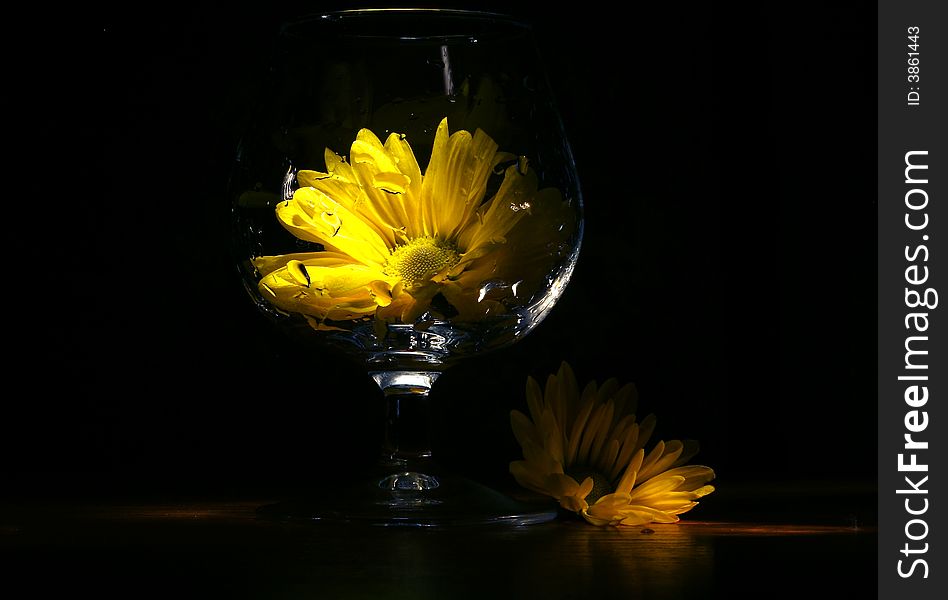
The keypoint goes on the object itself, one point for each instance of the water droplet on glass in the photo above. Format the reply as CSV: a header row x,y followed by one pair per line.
x,y
491,285
288,180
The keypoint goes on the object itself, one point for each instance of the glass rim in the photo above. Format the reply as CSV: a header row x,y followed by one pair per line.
x,y
483,23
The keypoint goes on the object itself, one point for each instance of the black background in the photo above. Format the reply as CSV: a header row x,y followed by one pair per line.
x,y
728,166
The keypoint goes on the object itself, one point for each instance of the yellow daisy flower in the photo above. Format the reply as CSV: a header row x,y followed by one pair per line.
x,y
393,238
588,452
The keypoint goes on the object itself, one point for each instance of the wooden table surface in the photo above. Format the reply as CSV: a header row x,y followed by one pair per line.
x,y
219,548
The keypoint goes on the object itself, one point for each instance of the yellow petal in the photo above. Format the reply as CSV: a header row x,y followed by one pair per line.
x,y
602,434
651,458
540,237
582,416
401,153
664,461
307,178
594,520
549,391
479,165
589,433
512,203
366,136
628,447
608,509
703,491
552,436
268,264
573,504
642,515
393,183
646,427
562,485
297,271
522,428
529,250
407,306
657,485
536,454
374,153
613,502
628,478
695,476
608,390
622,426
608,457
381,292
314,216
566,400
471,306
529,477
626,399
338,167
446,188
534,399
380,206
622,509
343,184
341,292
391,168
455,181
673,503
436,165
347,193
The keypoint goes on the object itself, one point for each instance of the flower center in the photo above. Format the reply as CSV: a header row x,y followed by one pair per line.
x,y
601,483
421,258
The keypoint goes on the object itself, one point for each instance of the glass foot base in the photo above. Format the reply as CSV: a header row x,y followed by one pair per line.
x,y
413,500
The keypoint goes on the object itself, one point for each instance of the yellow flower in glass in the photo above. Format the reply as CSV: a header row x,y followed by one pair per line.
x,y
588,452
393,238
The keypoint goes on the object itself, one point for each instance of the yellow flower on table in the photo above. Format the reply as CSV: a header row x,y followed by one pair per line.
x,y
588,452
394,239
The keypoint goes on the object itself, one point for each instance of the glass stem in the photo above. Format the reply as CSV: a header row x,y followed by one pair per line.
x,y
406,443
